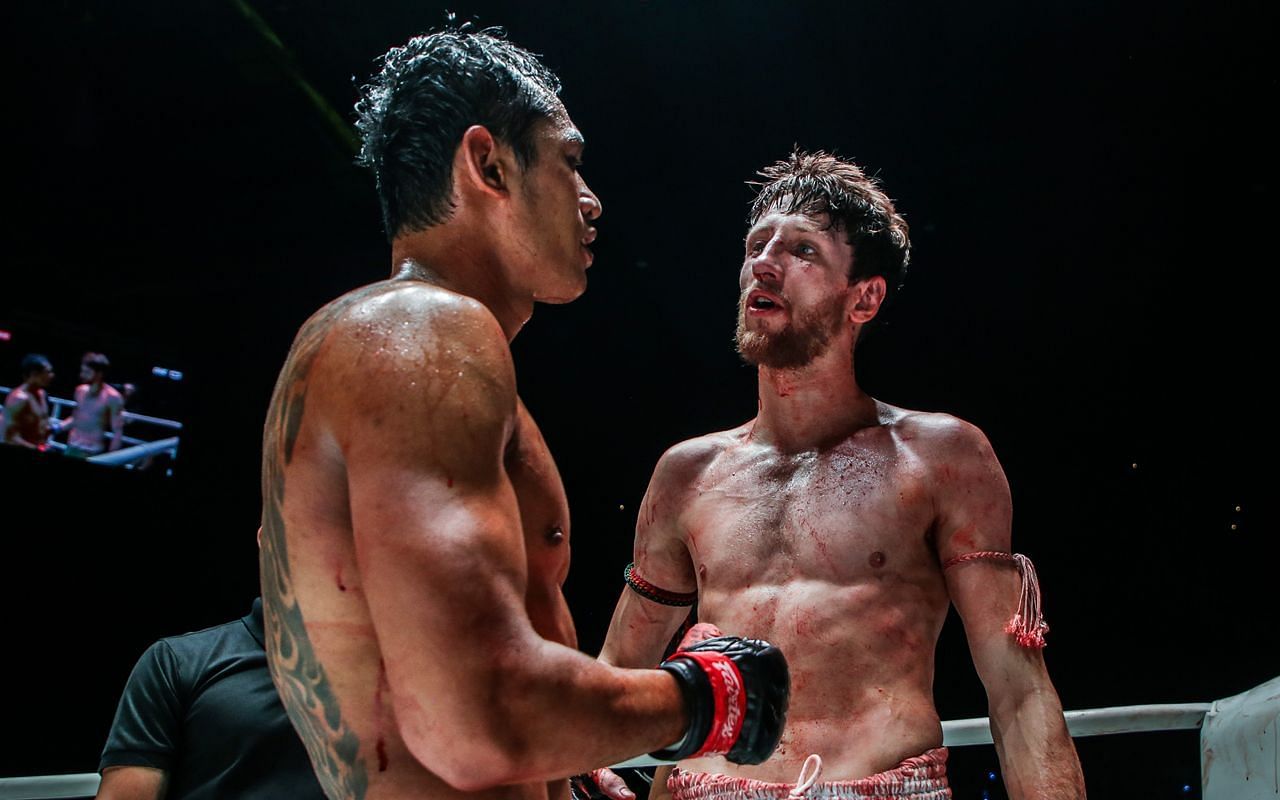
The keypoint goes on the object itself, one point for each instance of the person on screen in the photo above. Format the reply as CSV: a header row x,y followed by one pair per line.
x,y
98,406
26,408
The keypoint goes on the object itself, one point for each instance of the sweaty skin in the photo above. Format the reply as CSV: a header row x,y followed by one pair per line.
x,y
821,525
830,552
409,492
26,417
94,414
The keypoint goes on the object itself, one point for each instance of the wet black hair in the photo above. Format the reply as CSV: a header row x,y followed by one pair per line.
x,y
33,363
413,113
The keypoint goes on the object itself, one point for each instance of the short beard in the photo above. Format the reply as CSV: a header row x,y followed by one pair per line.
x,y
803,339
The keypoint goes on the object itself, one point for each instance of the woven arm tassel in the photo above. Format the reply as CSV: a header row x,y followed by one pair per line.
x,y
1028,625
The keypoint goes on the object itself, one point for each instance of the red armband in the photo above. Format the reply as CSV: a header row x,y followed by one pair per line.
x,y
655,593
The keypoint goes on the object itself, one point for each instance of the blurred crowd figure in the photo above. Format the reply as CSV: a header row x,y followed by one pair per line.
x,y
98,409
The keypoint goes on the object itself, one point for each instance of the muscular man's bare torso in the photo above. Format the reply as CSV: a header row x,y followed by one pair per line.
x,y
92,417
28,416
325,656
828,554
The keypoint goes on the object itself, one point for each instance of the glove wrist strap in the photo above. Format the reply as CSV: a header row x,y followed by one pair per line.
x,y
714,727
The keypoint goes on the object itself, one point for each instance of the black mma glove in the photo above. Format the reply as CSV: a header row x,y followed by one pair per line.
x,y
736,691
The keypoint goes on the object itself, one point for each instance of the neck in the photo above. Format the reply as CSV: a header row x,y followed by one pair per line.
x,y
812,406
452,258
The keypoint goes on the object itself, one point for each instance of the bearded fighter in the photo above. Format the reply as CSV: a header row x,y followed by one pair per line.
x,y
841,527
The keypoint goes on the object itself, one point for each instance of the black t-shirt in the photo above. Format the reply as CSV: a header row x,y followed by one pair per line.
x,y
202,707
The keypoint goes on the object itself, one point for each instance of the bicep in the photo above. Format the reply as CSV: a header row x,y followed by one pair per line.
x,y
440,573
12,405
659,553
641,628
975,515
133,783
436,525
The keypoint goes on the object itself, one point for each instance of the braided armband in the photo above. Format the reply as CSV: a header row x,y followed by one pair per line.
x,y
656,593
1027,625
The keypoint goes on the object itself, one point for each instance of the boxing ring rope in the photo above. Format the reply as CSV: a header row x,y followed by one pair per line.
x,y
1093,722
1230,730
1086,722
127,455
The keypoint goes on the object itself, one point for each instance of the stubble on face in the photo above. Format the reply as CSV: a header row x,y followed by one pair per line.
x,y
806,336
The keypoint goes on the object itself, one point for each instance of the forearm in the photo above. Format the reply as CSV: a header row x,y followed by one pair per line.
x,y
546,711
581,714
1035,748
639,631
133,783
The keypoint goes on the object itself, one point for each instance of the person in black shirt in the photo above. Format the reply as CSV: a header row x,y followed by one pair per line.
x,y
199,718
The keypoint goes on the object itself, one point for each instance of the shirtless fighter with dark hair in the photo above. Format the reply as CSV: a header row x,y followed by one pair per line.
x,y
26,420
415,533
841,527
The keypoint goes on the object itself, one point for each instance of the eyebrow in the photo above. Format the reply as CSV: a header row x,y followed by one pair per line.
x,y
807,227
574,136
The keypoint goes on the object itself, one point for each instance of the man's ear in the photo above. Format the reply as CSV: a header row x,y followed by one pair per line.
x,y
483,163
868,296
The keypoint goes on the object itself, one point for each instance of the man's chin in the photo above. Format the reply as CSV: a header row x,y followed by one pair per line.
x,y
775,352
753,347
562,295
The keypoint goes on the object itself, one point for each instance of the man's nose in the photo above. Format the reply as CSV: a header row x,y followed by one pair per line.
x,y
767,265
590,205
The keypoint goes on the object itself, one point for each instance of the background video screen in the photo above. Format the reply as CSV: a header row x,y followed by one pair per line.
x,y
78,394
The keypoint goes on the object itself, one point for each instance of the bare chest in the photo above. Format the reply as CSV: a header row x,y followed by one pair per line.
x,y
843,517
35,408
544,516
544,510
91,409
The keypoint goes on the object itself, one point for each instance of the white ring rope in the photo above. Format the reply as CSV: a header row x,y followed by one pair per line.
x,y
1086,722
955,733
127,455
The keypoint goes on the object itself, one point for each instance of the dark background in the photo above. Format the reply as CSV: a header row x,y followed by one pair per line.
x,y
1089,190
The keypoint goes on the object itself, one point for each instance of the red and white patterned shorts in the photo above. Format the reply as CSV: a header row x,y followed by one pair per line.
x,y
922,777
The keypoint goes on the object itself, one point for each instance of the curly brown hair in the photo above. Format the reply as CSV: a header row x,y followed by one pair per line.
x,y
820,183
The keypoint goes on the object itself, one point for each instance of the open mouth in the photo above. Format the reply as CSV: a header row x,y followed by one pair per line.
x,y
760,302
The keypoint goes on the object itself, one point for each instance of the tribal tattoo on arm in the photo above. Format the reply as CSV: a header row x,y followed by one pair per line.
x,y
299,676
